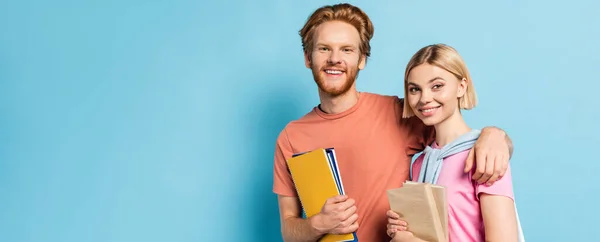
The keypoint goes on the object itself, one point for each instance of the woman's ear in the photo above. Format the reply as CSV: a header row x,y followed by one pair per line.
x,y
462,88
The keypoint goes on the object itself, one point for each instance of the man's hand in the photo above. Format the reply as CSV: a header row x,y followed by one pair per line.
x,y
491,155
338,216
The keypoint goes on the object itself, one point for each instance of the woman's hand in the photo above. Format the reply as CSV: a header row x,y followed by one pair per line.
x,y
395,224
403,236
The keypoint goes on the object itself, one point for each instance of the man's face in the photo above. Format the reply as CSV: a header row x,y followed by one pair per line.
x,y
335,59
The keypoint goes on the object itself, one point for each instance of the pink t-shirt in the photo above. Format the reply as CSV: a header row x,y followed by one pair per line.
x,y
465,222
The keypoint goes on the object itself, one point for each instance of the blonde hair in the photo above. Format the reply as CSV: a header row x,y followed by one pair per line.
x,y
341,12
447,58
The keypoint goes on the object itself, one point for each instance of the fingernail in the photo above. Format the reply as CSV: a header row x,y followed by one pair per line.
x,y
488,184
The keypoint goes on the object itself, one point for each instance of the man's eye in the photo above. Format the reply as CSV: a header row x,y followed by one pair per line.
x,y
323,49
347,50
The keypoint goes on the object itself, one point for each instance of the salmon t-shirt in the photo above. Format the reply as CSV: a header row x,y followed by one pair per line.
x,y
465,222
373,147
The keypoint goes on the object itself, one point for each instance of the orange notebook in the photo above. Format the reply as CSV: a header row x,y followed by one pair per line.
x,y
317,178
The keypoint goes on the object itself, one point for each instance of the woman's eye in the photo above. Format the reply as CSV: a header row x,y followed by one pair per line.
x,y
437,86
413,89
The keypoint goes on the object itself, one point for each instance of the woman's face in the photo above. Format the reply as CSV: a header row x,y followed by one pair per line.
x,y
433,93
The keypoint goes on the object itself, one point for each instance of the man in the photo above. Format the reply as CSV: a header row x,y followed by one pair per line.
x,y
374,145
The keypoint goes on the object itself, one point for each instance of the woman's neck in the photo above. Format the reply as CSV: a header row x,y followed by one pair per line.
x,y
450,129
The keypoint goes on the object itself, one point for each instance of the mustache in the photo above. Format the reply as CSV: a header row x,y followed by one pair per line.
x,y
334,66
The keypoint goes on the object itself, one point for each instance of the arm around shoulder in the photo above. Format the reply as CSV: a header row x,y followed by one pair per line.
x,y
504,136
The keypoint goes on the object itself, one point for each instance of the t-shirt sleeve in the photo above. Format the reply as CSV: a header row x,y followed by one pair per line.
x,y
282,178
502,187
418,135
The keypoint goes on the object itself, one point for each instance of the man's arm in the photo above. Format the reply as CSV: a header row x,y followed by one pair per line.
x,y
491,154
293,227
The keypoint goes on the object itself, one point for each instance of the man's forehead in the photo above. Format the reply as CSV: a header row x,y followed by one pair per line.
x,y
337,28
336,37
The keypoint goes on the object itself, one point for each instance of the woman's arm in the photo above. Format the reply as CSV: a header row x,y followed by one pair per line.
x,y
499,218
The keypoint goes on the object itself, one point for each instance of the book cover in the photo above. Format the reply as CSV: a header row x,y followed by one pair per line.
x,y
423,207
317,178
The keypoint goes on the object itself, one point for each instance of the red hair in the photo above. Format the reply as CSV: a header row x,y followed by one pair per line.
x,y
341,12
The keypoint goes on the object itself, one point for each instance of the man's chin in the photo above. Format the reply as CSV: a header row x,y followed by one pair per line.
x,y
334,92
334,88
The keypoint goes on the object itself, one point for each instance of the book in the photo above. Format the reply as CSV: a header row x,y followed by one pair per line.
x,y
424,207
317,178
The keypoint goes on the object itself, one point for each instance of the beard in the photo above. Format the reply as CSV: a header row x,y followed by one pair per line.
x,y
319,76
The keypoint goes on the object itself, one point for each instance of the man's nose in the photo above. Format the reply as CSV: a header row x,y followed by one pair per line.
x,y
334,57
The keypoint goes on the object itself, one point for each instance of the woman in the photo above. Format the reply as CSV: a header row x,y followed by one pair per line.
x,y
437,85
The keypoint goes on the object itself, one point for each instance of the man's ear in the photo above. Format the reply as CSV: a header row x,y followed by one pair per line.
x,y
362,62
307,60
462,88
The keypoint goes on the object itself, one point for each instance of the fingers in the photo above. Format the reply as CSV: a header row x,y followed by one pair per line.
x,y
498,168
346,230
347,213
489,164
336,199
491,156
470,161
392,214
395,226
344,213
348,226
337,204
397,222
398,226
503,165
480,162
343,206
349,221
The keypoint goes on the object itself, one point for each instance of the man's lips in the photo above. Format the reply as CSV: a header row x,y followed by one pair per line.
x,y
333,71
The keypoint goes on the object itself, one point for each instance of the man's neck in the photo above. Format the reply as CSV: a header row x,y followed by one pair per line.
x,y
450,129
338,104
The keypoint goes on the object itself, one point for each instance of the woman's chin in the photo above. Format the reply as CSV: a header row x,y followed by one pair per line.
x,y
429,121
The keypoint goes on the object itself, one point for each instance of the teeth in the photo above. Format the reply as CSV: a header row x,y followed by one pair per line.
x,y
334,72
428,110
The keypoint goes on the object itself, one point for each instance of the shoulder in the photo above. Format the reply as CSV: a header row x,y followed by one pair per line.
x,y
391,99
459,158
305,121
297,125
384,103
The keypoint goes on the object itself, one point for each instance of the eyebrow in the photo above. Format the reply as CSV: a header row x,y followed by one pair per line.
x,y
342,45
432,79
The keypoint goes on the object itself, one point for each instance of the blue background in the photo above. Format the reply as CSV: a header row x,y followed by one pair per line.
x,y
157,120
